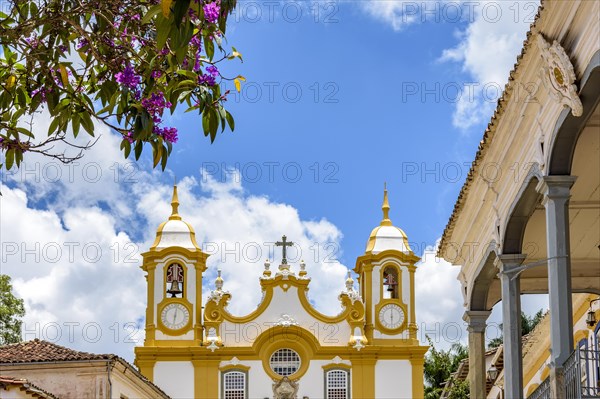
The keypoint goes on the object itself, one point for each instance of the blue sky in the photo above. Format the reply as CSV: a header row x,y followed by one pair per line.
x,y
354,122
335,104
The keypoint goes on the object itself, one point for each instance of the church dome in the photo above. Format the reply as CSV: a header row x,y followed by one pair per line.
x,y
175,232
386,236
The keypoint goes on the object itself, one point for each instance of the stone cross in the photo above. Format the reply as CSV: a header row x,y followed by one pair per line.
x,y
284,243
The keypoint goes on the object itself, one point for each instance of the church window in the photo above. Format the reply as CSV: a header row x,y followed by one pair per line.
x,y
284,362
175,280
234,385
337,384
390,283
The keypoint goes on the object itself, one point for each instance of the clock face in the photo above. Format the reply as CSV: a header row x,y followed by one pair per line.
x,y
391,316
175,316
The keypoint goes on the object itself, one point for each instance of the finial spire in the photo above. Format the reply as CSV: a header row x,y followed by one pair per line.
x,y
175,205
385,208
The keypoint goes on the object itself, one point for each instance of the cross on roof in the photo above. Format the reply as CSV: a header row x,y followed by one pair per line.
x,y
284,243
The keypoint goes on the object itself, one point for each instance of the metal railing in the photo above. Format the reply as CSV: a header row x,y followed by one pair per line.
x,y
542,391
582,377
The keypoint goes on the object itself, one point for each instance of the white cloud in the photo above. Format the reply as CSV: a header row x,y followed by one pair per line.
x,y
487,50
396,13
72,245
439,301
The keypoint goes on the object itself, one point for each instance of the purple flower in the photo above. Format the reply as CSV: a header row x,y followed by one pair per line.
x,y
129,136
155,105
41,91
196,41
213,71
208,80
156,74
82,43
167,133
135,17
128,78
32,41
211,12
62,48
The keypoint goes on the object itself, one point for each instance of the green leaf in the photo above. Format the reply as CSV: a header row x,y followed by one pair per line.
x,y
152,12
163,29
180,10
25,132
76,123
9,158
53,126
138,149
230,120
209,47
126,147
87,123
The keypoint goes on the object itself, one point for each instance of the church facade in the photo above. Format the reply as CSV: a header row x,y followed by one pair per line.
x,y
285,348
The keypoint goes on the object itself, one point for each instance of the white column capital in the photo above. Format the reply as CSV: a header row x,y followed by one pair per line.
x,y
476,320
556,187
506,264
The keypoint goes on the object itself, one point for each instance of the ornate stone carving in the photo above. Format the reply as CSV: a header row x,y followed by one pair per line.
x,y
285,389
286,320
558,75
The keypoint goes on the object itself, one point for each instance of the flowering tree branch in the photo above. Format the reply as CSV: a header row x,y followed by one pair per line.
x,y
122,63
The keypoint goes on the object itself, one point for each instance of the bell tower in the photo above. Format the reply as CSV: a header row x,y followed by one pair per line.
x,y
387,284
174,265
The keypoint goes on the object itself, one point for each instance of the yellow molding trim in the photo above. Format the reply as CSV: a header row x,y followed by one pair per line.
x,y
363,378
333,366
531,388
545,373
181,262
194,256
168,301
206,379
399,286
418,388
368,259
544,352
232,367
215,312
384,329
578,336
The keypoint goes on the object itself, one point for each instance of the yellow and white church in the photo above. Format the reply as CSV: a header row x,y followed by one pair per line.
x,y
285,348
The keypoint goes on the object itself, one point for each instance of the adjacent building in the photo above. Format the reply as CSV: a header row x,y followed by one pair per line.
x,y
527,220
41,369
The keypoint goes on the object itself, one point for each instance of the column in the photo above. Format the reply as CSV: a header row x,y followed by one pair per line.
x,y
412,321
418,387
477,374
363,377
557,191
511,324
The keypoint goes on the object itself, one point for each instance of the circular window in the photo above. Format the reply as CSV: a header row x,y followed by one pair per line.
x,y
284,362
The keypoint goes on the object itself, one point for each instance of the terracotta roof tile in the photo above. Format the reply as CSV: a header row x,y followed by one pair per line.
x,y
26,386
43,351
488,136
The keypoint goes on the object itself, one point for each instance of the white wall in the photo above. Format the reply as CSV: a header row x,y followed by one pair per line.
x,y
393,379
175,378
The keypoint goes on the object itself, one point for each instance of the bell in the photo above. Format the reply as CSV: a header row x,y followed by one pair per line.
x,y
390,288
174,290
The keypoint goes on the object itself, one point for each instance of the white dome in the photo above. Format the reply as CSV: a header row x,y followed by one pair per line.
x,y
383,238
175,233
